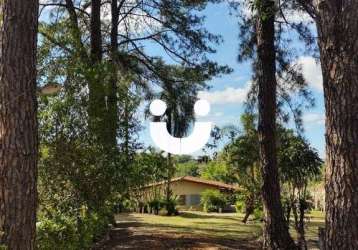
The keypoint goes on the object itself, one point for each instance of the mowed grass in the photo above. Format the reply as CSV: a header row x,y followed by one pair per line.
x,y
314,220
228,226
214,225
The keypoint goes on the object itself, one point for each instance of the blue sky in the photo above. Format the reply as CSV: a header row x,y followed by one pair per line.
x,y
228,92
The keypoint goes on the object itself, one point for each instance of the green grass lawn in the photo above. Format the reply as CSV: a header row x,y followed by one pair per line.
x,y
228,226
217,226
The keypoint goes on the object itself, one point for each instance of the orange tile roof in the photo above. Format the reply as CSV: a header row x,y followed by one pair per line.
x,y
198,180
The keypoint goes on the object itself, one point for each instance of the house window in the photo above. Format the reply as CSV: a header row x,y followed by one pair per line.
x,y
194,199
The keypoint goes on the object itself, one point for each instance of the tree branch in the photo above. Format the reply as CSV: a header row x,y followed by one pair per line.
x,y
64,6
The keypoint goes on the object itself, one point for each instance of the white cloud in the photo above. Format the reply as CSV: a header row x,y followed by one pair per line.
x,y
314,118
228,95
312,72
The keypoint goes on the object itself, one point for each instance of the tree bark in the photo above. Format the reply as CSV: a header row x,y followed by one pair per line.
x,y
79,46
276,235
248,212
18,123
170,165
96,35
98,103
113,122
249,208
301,238
337,25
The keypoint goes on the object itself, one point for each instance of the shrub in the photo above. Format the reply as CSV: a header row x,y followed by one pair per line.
x,y
258,214
155,205
57,233
94,226
213,200
170,206
240,206
124,205
70,232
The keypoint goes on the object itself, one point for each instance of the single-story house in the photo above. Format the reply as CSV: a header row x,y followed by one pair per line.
x,y
187,189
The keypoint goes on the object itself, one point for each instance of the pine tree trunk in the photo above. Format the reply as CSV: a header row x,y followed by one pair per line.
x,y
337,25
276,235
18,123
96,35
113,119
103,109
98,104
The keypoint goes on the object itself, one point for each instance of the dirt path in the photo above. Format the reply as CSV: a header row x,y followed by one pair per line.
x,y
132,234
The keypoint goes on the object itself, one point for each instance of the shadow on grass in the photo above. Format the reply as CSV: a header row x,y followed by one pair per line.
x,y
213,225
207,228
134,232
159,241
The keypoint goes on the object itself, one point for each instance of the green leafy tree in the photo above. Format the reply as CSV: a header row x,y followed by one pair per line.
x,y
213,200
71,164
216,170
299,165
148,167
242,154
276,79
113,46
186,165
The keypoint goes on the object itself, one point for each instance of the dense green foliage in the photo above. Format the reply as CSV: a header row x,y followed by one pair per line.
x,y
299,166
242,155
213,200
190,168
65,232
238,163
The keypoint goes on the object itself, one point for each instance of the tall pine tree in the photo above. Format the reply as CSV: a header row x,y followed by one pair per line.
x,y
337,25
18,123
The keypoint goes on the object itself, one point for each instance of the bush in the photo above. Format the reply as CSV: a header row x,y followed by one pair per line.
x,y
70,232
213,200
94,225
240,206
155,205
124,205
57,233
170,206
258,214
